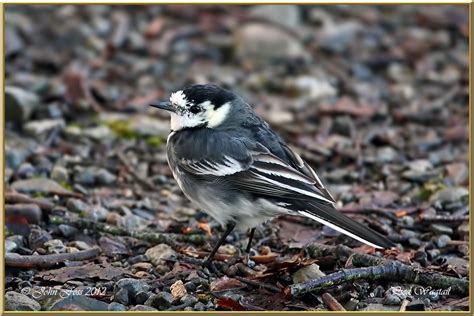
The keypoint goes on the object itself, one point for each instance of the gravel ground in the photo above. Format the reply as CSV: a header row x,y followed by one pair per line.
x,y
375,98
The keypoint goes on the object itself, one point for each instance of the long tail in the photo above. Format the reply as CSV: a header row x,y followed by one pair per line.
x,y
328,215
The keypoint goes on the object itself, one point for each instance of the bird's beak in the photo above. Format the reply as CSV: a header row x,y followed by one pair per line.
x,y
164,105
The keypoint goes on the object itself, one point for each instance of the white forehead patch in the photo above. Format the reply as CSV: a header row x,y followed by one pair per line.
x,y
178,98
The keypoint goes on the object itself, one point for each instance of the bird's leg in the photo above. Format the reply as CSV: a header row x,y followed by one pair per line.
x,y
230,226
249,245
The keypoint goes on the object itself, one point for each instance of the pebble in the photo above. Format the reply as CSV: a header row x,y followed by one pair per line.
x,y
98,133
386,154
55,246
10,246
421,257
161,301
262,43
78,303
15,301
288,16
442,240
81,245
26,170
142,296
178,290
67,230
351,305
59,174
414,242
117,307
142,308
41,128
160,252
99,213
125,290
199,307
77,206
433,253
449,195
19,104
307,273
439,229
458,172
39,185
92,175
416,305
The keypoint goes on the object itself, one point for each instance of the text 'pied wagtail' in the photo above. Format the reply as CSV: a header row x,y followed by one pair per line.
x,y
228,161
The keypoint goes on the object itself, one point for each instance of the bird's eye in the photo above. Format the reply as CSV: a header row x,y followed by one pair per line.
x,y
194,109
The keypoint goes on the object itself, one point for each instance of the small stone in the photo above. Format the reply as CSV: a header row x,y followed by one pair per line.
x,y
99,213
407,233
458,172
288,16
307,273
199,307
142,308
15,301
351,305
98,133
161,301
59,174
67,230
10,246
41,128
160,252
439,229
178,290
104,177
386,154
78,303
421,257
442,240
188,299
418,170
378,291
416,305
117,307
414,242
81,245
408,221
142,266
141,297
463,229
392,299
449,195
227,249
19,104
126,290
55,246
77,206
39,185
433,253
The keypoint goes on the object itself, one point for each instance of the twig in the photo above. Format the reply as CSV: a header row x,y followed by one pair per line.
x,y
332,303
343,253
16,260
445,218
390,271
259,284
403,306
167,238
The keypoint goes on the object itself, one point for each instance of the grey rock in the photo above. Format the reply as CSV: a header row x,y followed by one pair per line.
x,y
117,307
26,170
142,296
392,299
262,43
458,172
433,253
81,245
67,230
55,246
199,307
311,272
78,302
104,177
188,299
59,174
441,241
286,15
351,305
439,229
161,301
39,129
15,301
414,242
449,195
386,154
126,290
77,206
142,308
418,170
159,252
39,185
17,149
98,133
416,305
19,104
10,246
99,213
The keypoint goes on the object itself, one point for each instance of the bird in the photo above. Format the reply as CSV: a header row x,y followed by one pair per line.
x,y
229,162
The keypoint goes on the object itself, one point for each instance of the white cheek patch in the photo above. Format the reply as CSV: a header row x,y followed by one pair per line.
x,y
216,117
178,99
185,121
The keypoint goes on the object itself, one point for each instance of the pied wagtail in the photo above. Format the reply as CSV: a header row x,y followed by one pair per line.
x,y
228,161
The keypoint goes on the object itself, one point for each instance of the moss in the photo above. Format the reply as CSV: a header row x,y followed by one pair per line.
x,y
155,141
66,185
121,128
429,188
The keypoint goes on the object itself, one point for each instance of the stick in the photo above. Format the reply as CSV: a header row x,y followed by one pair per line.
x,y
16,260
259,284
403,306
391,271
167,238
332,303
445,218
